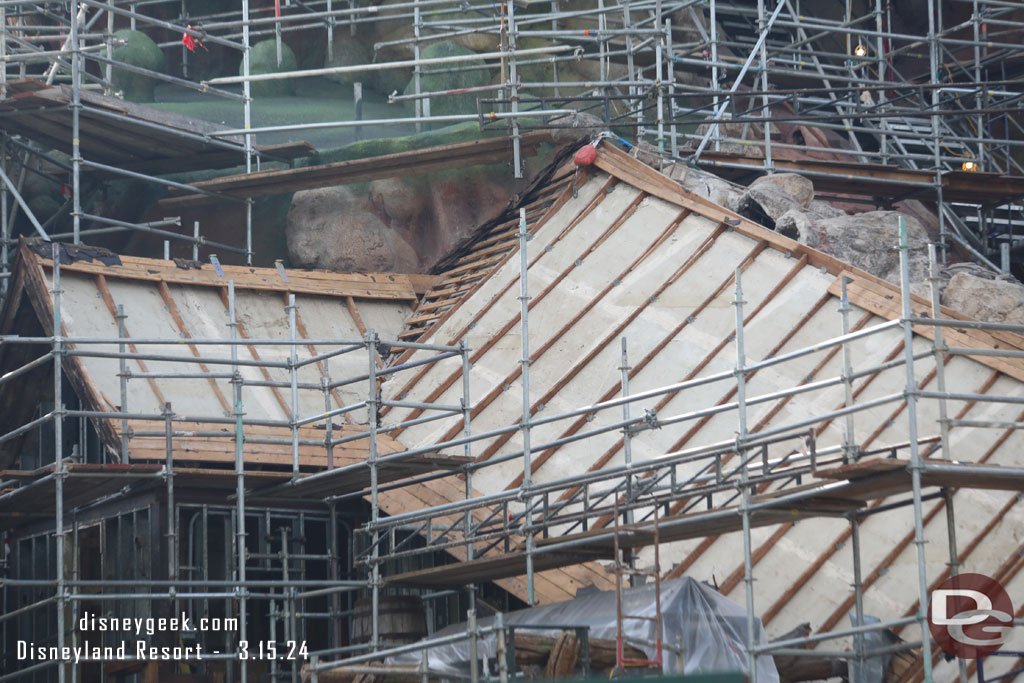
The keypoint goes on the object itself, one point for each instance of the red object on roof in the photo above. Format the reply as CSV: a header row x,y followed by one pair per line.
x,y
585,155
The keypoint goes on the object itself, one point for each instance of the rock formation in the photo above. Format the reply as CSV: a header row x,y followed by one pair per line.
x,y
990,300
390,225
263,60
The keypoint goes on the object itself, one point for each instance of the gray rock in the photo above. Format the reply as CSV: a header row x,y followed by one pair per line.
x,y
797,222
773,195
576,126
868,240
824,209
994,301
395,224
705,184
348,51
335,229
971,269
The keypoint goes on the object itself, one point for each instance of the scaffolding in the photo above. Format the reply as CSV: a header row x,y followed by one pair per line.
x,y
281,542
728,75
210,551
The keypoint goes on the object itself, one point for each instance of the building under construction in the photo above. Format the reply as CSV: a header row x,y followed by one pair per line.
x,y
616,401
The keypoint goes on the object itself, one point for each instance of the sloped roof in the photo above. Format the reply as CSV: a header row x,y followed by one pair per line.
x,y
189,300
627,252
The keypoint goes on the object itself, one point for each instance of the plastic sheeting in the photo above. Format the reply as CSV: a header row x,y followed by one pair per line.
x,y
711,629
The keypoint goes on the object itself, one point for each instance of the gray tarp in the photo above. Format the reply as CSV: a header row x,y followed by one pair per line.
x,y
711,629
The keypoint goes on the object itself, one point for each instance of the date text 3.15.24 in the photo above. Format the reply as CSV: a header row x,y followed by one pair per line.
x,y
271,649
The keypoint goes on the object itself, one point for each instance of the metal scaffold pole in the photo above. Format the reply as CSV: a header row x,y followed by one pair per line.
x,y
77,15
239,443
745,487
372,410
916,466
524,332
467,452
58,461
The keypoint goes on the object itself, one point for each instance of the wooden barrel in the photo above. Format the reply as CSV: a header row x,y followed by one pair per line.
x,y
400,619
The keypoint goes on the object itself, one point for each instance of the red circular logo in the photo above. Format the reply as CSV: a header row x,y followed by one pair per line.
x,y
970,616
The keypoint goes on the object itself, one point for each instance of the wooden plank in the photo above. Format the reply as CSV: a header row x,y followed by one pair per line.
x,y
491,568
386,286
220,158
876,180
456,155
627,169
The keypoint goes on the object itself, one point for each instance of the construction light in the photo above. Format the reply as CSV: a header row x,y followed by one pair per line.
x,y
970,166
861,50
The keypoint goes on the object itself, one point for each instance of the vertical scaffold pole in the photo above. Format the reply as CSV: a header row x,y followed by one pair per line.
x,y
417,71
627,453
108,85
524,325
236,382
939,346
5,228
766,103
634,105
123,367
713,21
467,451
172,536
659,79
372,408
939,349
325,382
517,159
849,436
670,76
741,436
858,599
293,371
3,51
910,394
58,455
76,107
247,105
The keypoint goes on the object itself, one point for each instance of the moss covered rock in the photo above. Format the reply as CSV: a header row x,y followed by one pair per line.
x,y
441,77
388,81
139,50
263,60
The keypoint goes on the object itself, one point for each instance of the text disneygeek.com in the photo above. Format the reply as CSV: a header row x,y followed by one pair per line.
x,y
141,649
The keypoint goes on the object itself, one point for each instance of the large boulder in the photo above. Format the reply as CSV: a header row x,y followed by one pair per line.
x,y
771,196
337,228
457,76
263,60
402,224
136,49
348,50
869,241
988,300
